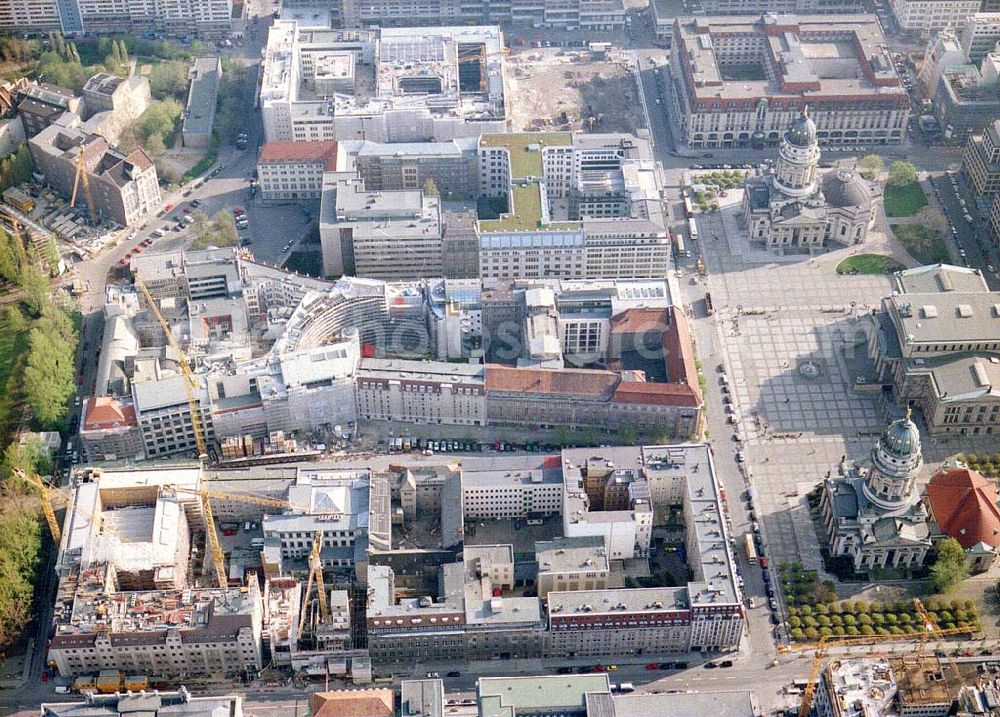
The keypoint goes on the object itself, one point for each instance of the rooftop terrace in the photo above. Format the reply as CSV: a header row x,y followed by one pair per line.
x,y
525,149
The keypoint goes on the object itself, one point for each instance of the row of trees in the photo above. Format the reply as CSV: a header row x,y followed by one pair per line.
x,y
22,267
51,364
20,556
49,369
17,51
38,360
230,114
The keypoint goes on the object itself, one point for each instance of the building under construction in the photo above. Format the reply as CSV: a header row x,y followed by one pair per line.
x,y
915,685
139,589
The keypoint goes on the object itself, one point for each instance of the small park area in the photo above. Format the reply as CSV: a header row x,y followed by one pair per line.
x,y
868,264
904,200
923,243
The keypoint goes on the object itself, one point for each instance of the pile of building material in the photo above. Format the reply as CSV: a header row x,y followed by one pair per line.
x,y
238,446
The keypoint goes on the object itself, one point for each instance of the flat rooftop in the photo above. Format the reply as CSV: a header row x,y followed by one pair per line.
x,y
147,704
559,694
619,601
943,278
736,703
568,555
431,371
810,56
946,317
199,115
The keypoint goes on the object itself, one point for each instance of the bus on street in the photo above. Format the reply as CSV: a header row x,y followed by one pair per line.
x,y
750,548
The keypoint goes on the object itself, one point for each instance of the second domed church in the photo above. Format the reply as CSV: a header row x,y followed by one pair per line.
x,y
799,206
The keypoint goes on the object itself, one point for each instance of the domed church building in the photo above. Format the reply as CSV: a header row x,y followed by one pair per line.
x,y
874,513
798,206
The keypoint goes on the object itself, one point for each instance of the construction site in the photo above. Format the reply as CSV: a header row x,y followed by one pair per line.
x,y
40,216
144,585
575,89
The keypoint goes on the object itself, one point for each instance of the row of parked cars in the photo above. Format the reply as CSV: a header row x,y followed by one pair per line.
x,y
406,444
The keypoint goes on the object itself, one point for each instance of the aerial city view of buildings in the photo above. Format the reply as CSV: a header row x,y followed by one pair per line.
x,y
366,359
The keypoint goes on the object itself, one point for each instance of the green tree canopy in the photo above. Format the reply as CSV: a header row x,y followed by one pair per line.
x,y
160,117
28,455
225,229
20,548
50,368
950,567
35,286
870,165
902,173
169,79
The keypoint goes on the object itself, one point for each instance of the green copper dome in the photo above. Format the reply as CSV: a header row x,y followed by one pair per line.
x,y
801,132
901,437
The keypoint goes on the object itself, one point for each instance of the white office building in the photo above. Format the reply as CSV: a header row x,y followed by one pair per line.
x,y
928,16
415,89
510,488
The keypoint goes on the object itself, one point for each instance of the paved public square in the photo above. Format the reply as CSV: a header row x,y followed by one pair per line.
x,y
785,325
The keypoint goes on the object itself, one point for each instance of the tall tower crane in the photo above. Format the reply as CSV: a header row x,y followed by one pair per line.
x,y
214,546
43,493
190,382
219,558
83,176
315,576
831,641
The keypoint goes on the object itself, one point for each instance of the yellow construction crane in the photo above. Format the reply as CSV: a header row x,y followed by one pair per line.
x,y
214,546
43,493
831,641
315,576
83,176
190,383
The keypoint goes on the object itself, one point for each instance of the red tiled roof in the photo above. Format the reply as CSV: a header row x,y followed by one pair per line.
x,y
300,153
353,703
964,504
641,320
678,352
660,394
140,159
102,412
578,382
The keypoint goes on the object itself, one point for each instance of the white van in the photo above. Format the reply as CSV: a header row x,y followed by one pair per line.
x,y
257,543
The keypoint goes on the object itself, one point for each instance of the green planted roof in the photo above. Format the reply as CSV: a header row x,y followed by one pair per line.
x,y
525,149
525,214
